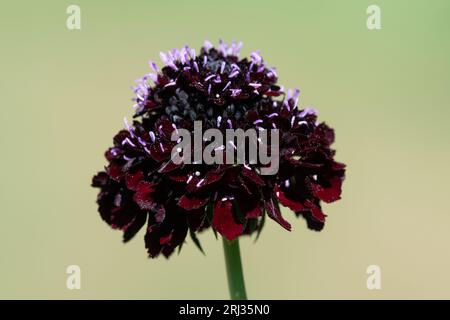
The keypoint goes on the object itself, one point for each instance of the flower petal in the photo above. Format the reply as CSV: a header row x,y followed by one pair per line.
x,y
134,226
223,220
273,211
291,204
191,203
328,194
144,195
132,180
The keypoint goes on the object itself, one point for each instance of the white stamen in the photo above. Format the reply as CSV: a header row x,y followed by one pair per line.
x,y
200,183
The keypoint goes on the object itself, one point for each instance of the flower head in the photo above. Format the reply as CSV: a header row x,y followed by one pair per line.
x,y
142,185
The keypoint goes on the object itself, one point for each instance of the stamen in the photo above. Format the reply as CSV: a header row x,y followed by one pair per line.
x,y
164,57
193,55
200,183
308,111
142,142
207,45
171,83
125,120
233,145
226,86
152,136
233,74
128,141
153,65
235,92
273,70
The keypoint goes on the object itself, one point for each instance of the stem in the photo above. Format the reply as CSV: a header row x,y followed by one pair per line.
x,y
235,275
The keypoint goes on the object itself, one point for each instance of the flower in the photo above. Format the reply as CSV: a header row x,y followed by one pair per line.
x,y
142,185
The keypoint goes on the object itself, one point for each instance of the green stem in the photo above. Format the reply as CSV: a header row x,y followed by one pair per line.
x,y
235,275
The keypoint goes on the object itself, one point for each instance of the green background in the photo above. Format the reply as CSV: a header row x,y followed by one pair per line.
x,y
386,92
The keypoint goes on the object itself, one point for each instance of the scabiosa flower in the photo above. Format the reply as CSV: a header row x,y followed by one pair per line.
x,y
142,186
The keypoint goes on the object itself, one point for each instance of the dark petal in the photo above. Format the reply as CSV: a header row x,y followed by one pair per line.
x,y
196,219
177,238
158,152
328,194
224,222
326,132
312,223
133,227
119,137
113,153
152,243
100,180
164,128
105,202
178,177
120,218
337,166
244,185
285,201
213,176
160,213
165,239
315,210
115,171
169,166
191,203
273,211
144,195
252,176
132,180
118,210
253,213
195,184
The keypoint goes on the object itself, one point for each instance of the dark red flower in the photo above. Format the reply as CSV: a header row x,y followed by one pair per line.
x,y
143,185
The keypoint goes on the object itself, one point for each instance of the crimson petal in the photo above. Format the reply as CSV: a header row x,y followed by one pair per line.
x,y
191,203
273,211
144,195
223,220
329,194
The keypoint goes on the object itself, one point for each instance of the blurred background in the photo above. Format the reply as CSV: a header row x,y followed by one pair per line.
x,y
65,92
